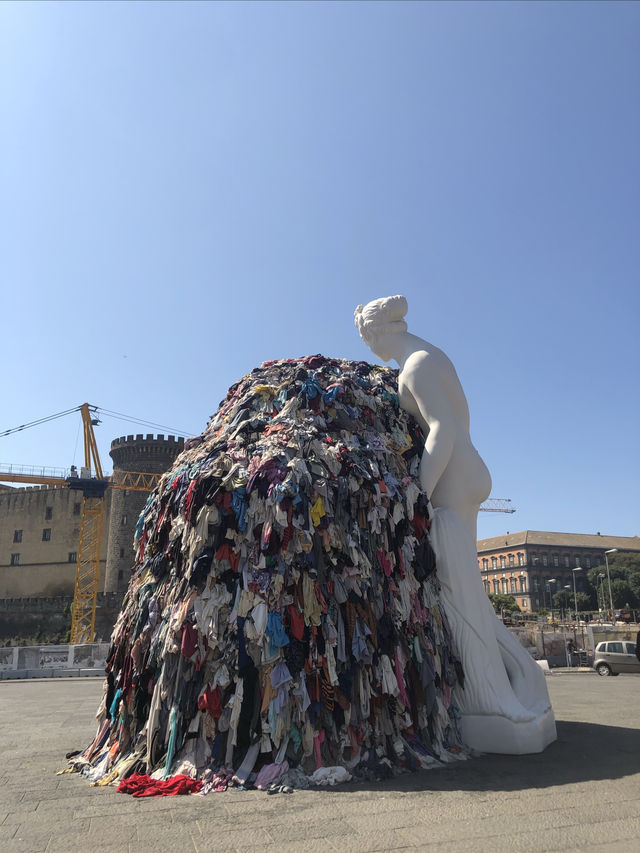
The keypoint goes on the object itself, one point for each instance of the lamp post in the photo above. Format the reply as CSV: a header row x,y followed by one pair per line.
x,y
567,586
575,597
549,582
610,551
601,606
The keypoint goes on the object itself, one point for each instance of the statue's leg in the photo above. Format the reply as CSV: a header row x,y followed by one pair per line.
x,y
525,675
505,706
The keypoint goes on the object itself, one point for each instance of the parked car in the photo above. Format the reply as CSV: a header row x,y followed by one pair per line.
x,y
616,656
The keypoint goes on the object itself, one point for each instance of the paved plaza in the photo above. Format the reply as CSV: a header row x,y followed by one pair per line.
x,y
582,794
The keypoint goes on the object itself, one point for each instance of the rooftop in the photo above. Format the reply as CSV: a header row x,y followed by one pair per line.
x,y
547,538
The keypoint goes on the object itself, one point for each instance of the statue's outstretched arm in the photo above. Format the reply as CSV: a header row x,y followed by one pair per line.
x,y
422,378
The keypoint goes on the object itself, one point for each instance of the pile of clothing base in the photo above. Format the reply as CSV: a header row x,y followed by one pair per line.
x,y
282,625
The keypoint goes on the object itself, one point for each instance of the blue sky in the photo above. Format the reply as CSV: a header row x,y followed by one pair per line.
x,y
187,190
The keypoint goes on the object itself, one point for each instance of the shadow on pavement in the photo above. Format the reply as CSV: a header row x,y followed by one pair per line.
x,y
584,752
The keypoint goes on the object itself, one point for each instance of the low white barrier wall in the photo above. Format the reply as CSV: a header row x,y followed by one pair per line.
x,y
45,661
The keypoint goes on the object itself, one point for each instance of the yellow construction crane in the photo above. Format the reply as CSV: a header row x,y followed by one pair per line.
x,y
93,488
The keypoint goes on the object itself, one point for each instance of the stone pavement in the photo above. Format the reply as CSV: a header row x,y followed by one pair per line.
x,y
582,794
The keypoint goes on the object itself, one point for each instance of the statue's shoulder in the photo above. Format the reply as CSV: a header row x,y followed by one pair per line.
x,y
417,365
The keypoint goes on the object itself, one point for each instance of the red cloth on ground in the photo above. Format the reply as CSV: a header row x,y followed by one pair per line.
x,y
141,785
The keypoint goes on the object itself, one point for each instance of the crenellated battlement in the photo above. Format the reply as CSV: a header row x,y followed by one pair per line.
x,y
136,453
128,440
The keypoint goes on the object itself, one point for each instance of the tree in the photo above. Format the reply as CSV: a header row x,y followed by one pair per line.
x,y
503,602
583,599
563,599
624,570
634,583
622,594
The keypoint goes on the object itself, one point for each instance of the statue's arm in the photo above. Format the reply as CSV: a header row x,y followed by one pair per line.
x,y
422,378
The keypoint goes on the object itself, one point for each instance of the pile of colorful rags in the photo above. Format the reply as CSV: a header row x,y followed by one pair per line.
x,y
282,624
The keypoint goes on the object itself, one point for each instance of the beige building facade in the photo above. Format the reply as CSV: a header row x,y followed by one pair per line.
x,y
39,536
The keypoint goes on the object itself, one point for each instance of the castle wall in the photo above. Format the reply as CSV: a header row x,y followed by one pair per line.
x,y
39,540
46,620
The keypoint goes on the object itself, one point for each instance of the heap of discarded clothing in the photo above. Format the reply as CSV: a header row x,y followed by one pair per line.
x,y
282,625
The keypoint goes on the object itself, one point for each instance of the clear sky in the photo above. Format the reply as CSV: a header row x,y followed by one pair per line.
x,y
187,190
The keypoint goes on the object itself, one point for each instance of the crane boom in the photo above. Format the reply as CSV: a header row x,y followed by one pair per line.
x,y
497,505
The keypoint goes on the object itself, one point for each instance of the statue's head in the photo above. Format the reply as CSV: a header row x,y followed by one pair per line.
x,y
379,319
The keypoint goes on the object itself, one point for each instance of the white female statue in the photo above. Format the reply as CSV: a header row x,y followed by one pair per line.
x,y
505,705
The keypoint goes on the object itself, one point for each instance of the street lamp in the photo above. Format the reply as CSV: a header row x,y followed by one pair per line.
x,y
575,597
601,593
610,551
549,582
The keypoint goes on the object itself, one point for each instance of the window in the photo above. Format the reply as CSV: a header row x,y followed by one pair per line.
x,y
496,586
487,588
494,562
615,648
536,586
505,586
17,535
485,563
631,648
556,561
523,602
523,584
534,559
577,559
46,534
587,562
76,508
513,585
121,553
15,559
511,560
521,559
48,513
120,574
124,520
503,561
545,560
73,557
566,562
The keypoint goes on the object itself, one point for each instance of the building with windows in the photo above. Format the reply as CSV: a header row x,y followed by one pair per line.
x,y
534,564
39,535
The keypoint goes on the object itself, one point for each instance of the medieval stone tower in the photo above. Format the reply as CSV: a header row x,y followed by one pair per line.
x,y
140,453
